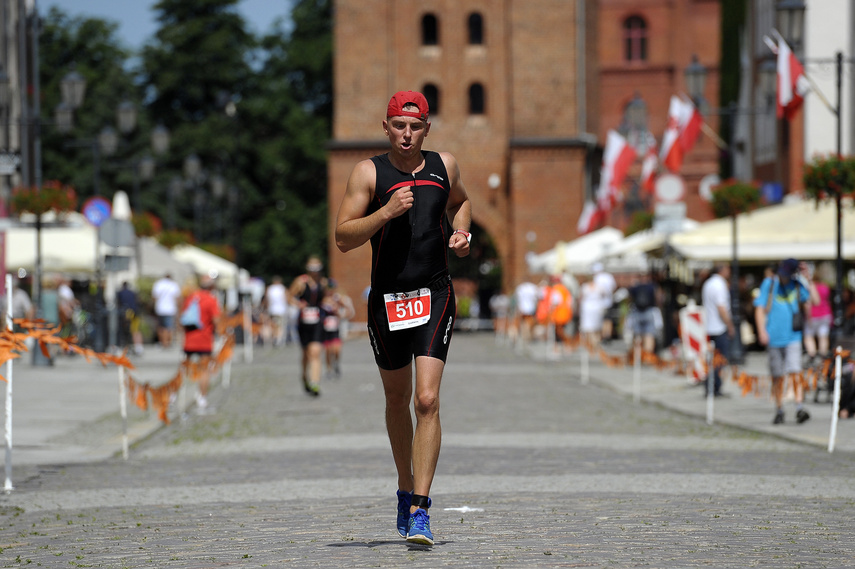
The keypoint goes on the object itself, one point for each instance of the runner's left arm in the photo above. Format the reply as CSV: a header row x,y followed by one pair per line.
x,y
459,209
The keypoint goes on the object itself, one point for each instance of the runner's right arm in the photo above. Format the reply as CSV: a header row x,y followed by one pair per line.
x,y
353,227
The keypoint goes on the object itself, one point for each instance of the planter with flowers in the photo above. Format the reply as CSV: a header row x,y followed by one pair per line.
x,y
52,196
732,197
829,177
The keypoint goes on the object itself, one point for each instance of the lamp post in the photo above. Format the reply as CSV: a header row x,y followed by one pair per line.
x,y
695,75
176,187
193,174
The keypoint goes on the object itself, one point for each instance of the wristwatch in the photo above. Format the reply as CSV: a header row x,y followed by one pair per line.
x,y
465,234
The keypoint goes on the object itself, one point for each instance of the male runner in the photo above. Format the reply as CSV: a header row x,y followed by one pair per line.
x,y
400,201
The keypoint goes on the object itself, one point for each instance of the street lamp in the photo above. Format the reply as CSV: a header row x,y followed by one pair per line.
x,y
696,79
73,88
695,76
791,22
126,117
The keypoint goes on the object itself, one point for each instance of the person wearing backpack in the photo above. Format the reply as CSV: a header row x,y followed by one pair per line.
x,y
198,317
643,313
779,312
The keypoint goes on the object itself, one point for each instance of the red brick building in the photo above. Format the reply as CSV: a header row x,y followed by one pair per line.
x,y
643,50
516,87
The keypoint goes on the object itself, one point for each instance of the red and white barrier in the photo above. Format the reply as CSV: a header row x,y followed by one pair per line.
x,y
694,340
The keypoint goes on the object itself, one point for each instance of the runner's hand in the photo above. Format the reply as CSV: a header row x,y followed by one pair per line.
x,y
459,244
400,202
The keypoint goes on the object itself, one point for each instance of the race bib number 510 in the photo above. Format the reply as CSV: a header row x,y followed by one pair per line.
x,y
407,309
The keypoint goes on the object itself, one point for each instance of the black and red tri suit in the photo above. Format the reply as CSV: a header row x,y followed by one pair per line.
x,y
409,253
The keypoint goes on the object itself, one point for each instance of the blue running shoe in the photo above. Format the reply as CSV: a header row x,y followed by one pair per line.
x,y
419,531
405,499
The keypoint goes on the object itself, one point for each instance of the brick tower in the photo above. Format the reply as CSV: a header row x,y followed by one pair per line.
x,y
506,84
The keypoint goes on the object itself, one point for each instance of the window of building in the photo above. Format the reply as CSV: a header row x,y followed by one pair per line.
x,y
635,39
431,93
476,29
430,30
476,99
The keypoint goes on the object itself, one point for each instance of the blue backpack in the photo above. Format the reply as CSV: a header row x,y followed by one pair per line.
x,y
191,317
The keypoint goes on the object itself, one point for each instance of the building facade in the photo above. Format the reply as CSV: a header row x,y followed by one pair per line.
x,y
829,29
523,93
643,51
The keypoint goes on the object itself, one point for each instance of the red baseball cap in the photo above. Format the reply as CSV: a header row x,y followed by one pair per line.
x,y
401,98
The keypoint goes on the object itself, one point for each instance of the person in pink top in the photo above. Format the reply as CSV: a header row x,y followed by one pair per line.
x,y
818,326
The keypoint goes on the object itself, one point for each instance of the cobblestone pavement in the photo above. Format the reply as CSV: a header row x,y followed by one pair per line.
x,y
537,470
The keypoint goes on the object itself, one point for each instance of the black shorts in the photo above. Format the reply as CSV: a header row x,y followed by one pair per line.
x,y
396,349
310,333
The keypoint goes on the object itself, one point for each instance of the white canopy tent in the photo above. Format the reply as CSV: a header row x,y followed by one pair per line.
x,y
157,260
203,263
629,254
68,245
796,228
577,256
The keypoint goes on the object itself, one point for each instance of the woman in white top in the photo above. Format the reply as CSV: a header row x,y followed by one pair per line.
x,y
591,311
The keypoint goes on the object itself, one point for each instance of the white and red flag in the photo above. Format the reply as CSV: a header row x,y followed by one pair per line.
x,y
618,156
649,166
592,216
793,85
681,132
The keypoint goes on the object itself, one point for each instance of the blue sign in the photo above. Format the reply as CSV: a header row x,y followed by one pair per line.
x,y
772,192
97,210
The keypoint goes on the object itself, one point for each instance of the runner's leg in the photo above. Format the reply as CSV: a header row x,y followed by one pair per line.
x,y
428,433
398,387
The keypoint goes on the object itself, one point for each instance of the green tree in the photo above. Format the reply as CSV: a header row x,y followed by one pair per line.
x,y
291,107
195,72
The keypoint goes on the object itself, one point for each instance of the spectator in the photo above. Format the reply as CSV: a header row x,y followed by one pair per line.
x,y
644,313
526,295
199,339
166,293
499,307
129,319
560,309
67,304
276,305
818,325
22,306
606,285
591,312
715,298
778,310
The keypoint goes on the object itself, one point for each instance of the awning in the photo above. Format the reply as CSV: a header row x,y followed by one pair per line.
x,y
797,228
575,257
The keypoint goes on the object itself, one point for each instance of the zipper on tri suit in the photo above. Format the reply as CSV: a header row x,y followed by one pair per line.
x,y
412,212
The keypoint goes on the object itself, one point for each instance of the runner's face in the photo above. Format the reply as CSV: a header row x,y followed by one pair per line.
x,y
406,133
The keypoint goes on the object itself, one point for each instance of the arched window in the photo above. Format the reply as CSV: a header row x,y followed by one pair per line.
x,y
430,30
477,104
431,93
635,39
476,29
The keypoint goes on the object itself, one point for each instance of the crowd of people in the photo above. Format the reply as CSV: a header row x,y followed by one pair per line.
x,y
785,313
